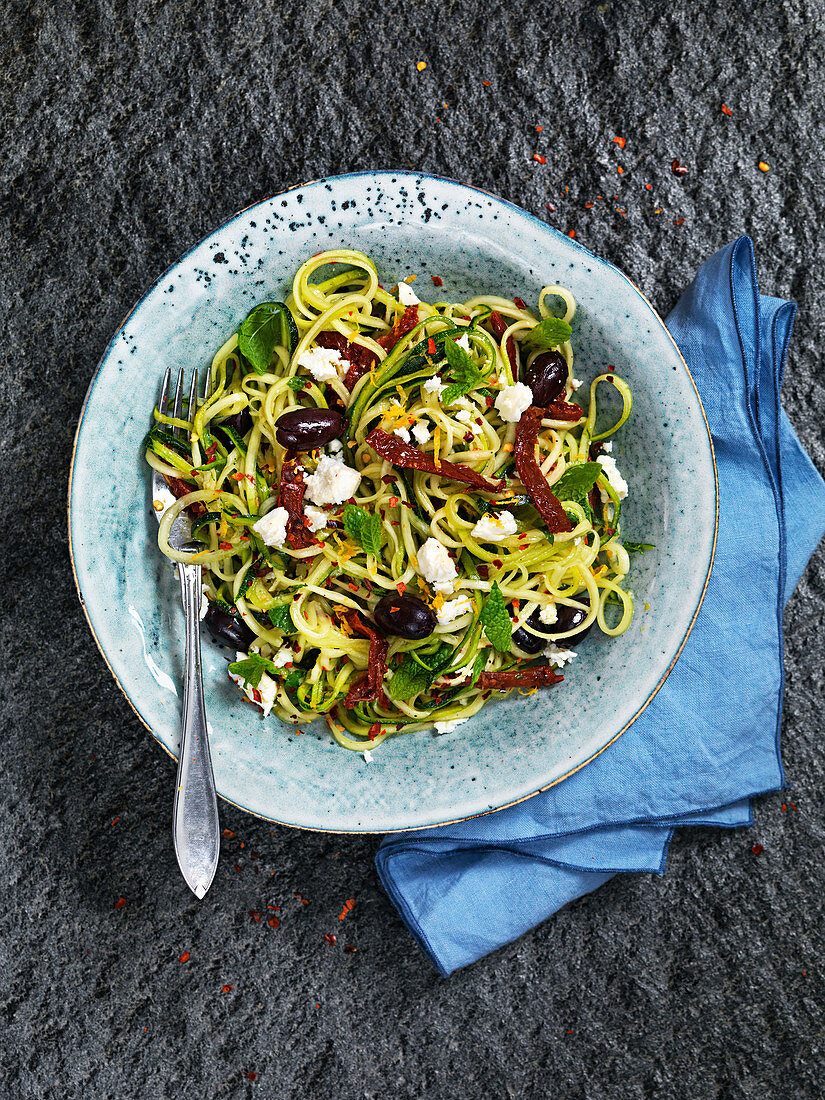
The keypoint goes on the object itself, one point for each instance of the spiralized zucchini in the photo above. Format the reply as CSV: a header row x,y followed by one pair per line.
x,y
302,602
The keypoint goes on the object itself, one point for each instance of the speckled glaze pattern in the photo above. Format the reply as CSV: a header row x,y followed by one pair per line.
x,y
426,226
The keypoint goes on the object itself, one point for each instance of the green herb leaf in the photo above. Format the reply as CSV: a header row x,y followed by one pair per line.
x,y
638,547
364,528
550,333
294,679
252,668
577,481
496,620
268,326
479,664
281,618
297,383
464,374
412,676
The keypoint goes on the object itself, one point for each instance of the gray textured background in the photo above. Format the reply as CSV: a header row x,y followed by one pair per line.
x,y
130,130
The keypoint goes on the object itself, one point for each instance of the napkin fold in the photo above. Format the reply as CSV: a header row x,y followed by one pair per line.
x,y
709,740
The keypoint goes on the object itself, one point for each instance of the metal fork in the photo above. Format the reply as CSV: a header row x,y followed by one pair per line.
x,y
195,826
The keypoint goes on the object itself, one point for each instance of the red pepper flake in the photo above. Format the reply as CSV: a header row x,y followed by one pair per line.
x,y
237,867
256,915
393,502
569,1031
120,903
678,169
372,733
486,83
572,233
273,922
648,187
520,302
331,938
252,1076
726,110
792,806
437,280
757,849
403,454
225,545
302,900
784,808
352,587
498,563
619,169
589,205
678,221
226,988
185,957
228,834
400,588
350,949
348,904
539,158
620,141
114,821
549,206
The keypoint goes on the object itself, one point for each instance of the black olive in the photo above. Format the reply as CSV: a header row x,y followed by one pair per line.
x,y
240,424
406,616
568,619
526,640
309,429
546,376
228,629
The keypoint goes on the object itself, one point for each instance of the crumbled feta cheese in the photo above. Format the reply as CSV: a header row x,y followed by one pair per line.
x,y
402,433
576,383
548,614
464,342
512,401
317,518
272,527
607,447
558,656
448,727
434,385
492,528
608,464
407,296
266,690
283,657
421,433
335,446
451,610
367,756
466,416
324,364
436,566
332,482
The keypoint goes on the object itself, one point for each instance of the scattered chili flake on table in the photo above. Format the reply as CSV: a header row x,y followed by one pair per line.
x,y
486,83
726,110
226,989
236,866
256,915
784,808
764,166
589,205
678,221
252,1076
648,187
331,938
572,233
539,158
757,849
120,903
228,834
348,904
184,958
678,169
620,141
303,900
273,922
619,169
421,66
114,821
350,949
437,280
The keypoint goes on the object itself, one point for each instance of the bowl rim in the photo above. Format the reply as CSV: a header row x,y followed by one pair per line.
x,y
403,172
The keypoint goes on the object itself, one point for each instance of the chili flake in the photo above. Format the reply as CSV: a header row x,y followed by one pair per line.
x,y
228,834
486,83
273,922
678,221
620,141
648,187
572,233
726,110
348,904
763,166
678,169
619,169
256,915
350,949
421,66
226,989
185,957
303,900
120,903
252,1075
437,281
538,157
331,938
589,205
757,849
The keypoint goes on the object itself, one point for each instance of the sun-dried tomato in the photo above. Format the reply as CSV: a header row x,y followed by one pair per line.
x,y
538,676
561,410
530,473
291,497
398,452
499,327
182,488
361,360
406,323
368,687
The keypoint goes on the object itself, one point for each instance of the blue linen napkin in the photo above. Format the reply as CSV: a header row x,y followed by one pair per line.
x,y
709,740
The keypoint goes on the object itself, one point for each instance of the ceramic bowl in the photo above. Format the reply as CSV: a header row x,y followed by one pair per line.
x,y
411,225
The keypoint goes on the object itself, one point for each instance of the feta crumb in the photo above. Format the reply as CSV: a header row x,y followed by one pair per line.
x,y
436,566
324,364
451,610
448,727
407,296
421,433
272,527
607,447
608,464
332,482
492,528
434,385
335,446
512,401
558,656
317,518
548,614
466,416
464,342
402,433
283,657
367,756
576,383
267,689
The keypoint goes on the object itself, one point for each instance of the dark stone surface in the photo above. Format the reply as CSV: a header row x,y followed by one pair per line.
x,y
130,130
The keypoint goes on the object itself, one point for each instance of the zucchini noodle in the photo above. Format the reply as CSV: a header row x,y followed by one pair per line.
x,y
402,571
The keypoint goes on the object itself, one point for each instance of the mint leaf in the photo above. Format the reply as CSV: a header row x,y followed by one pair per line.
x,y
577,481
294,678
252,668
297,383
412,677
550,333
464,374
496,620
638,547
479,664
268,326
363,528
281,619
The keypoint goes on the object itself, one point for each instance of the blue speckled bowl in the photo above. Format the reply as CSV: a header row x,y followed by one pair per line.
x,y
427,226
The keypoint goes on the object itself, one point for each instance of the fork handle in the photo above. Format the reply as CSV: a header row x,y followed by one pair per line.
x,y
195,817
